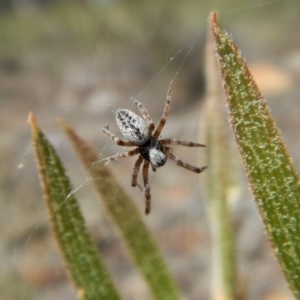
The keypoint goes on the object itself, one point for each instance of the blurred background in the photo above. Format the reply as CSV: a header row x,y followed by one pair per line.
x,y
82,60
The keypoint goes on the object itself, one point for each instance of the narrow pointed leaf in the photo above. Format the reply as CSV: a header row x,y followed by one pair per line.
x,y
218,185
271,173
79,251
126,216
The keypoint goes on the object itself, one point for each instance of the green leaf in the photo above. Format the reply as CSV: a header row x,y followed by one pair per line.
x,y
127,218
271,173
79,251
218,184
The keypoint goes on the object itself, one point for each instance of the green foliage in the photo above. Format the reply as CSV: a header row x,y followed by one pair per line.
x,y
271,173
218,181
68,226
125,215
79,251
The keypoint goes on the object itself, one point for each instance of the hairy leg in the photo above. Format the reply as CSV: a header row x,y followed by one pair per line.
x,y
175,141
145,114
117,156
166,110
147,187
115,139
180,163
136,169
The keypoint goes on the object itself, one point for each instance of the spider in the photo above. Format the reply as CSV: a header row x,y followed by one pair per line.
x,y
139,133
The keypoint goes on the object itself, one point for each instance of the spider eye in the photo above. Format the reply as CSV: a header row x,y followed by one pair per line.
x,y
133,128
157,157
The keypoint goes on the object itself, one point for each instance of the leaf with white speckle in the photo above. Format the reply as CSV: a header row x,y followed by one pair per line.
x,y
271,173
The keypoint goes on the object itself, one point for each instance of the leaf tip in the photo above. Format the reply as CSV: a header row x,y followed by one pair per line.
x,y
31,119
33,123
214,19
63,125
214,23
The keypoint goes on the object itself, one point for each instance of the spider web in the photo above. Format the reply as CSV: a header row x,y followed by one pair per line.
x,y
267,23
180,59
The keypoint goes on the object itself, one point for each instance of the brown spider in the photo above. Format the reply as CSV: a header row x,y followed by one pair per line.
x,y
151,150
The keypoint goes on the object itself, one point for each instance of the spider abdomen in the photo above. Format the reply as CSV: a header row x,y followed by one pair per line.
x,y
133,128
152,151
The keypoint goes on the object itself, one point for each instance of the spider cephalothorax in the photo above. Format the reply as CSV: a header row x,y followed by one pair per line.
x,y
153,151
139,133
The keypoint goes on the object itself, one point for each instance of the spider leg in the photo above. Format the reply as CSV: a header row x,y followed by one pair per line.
x,y
145,114
180,142
115,139
135,172
147,187
180,163
166,110
118,156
